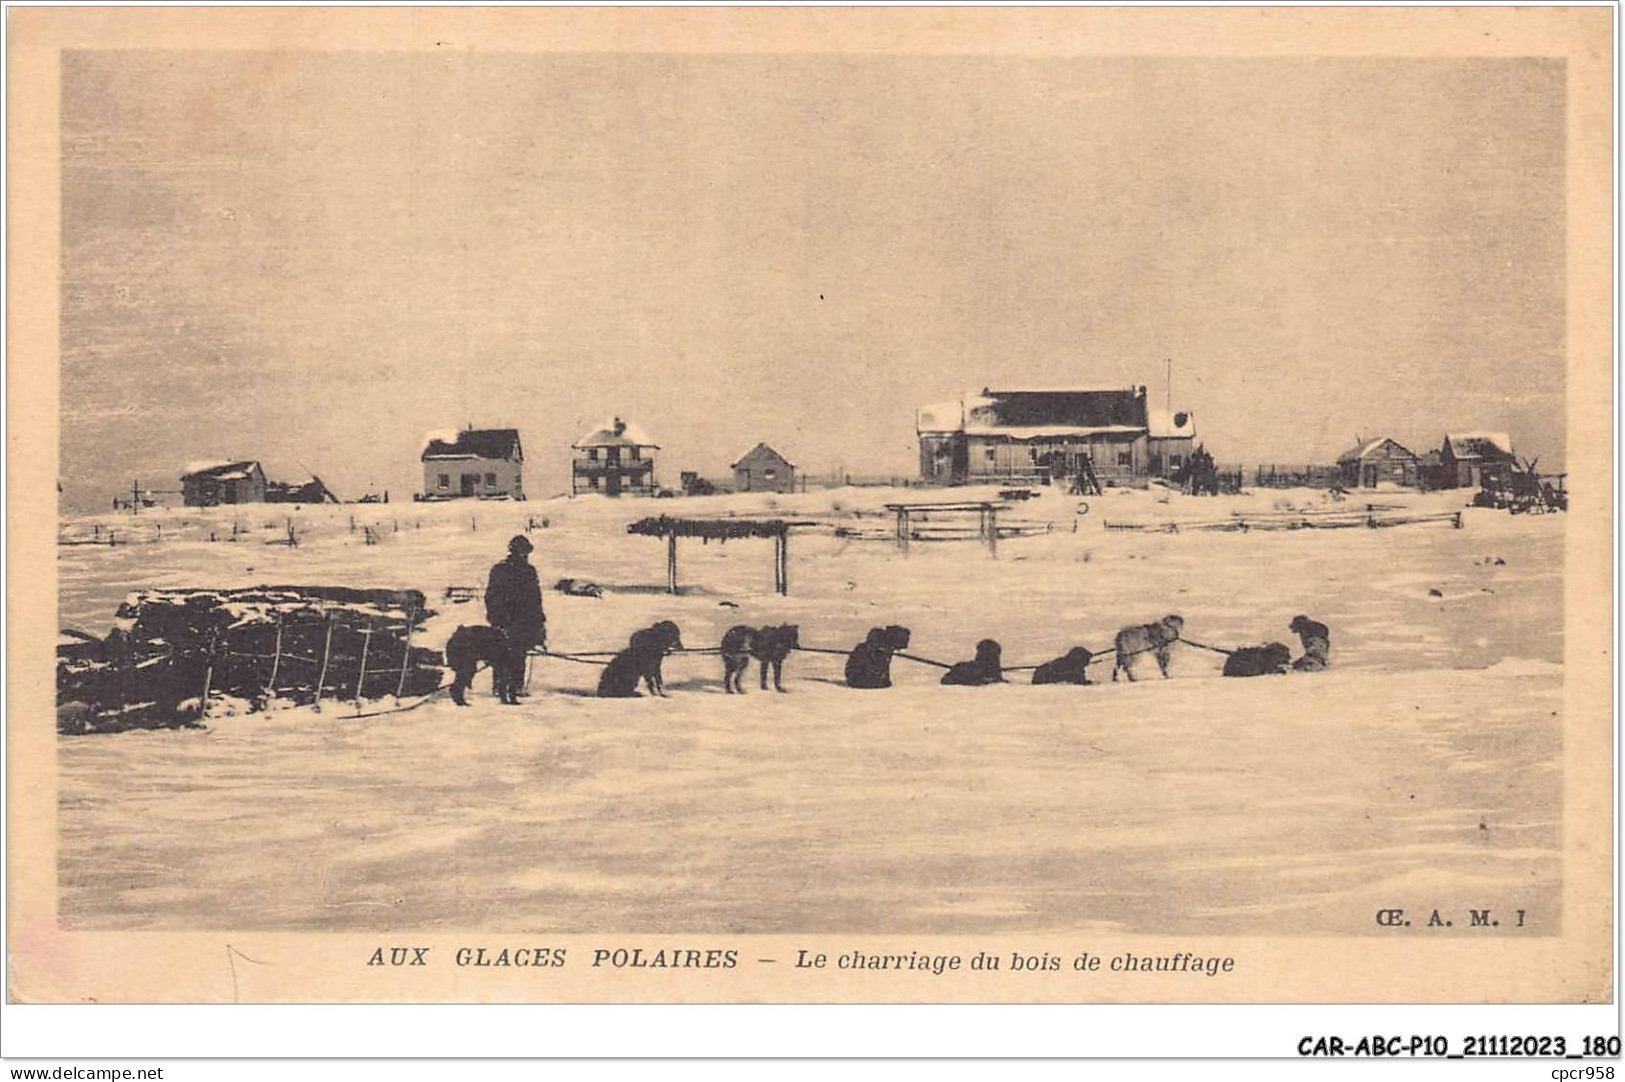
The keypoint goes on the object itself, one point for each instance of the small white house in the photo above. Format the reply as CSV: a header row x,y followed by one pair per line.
x,y
476,463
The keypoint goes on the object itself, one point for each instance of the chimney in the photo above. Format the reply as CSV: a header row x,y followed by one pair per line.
x,y
620,426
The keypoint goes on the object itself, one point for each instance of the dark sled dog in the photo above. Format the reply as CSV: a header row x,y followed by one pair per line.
x,y
770,646
466,649
640,661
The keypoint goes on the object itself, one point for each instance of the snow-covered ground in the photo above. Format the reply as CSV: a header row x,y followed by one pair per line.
x,y
1424,763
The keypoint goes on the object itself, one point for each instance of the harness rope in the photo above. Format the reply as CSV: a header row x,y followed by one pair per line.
x,y
591,657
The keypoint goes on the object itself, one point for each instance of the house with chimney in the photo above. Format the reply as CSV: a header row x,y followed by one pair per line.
x,y
614,458
475,463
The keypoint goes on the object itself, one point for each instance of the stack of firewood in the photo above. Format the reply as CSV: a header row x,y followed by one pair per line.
x,y
176,652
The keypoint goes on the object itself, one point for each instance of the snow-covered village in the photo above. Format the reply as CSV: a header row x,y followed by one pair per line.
x,y
323,706
957,518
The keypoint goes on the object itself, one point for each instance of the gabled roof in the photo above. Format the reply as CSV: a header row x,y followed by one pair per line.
x,y
1166,425
1072,409
1025,415
765,452
1371,447
498,443
616,433
940,417
1479,445
222,471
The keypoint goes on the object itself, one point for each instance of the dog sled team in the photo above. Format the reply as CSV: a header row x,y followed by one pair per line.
x,y
516,624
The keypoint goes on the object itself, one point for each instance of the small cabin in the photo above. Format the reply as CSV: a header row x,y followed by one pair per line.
x,y
210,484
476,463
614,458
762,469
1379,461
1466,459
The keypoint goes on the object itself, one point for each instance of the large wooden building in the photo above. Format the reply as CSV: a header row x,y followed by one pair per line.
x,y
615,458
210,484
1043,436
476,463
1379,461
762,469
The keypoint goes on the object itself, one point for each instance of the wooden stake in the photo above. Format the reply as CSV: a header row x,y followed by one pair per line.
x,y
327,645
208,676
361,680
406,658
671,563
276,660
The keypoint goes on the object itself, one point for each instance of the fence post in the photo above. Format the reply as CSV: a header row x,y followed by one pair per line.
x,y
671,562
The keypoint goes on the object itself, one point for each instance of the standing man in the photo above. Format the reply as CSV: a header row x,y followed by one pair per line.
x,y
513,605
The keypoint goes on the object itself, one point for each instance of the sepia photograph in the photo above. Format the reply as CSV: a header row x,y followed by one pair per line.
x,y
784,517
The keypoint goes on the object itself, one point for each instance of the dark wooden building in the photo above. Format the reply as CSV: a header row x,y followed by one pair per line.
x,y
1379,461
762,469
213,484
1467,458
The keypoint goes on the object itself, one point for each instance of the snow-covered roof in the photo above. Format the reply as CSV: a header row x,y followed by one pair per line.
x,y
1039,432
489,443
230,470
1474,444
615,432
1031,413
939,417
1371,447
1170,424
762,445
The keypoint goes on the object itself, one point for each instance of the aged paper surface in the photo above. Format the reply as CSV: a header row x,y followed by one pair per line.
x,y
259,247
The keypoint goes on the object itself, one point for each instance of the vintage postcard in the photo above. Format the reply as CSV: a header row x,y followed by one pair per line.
x,y
767,505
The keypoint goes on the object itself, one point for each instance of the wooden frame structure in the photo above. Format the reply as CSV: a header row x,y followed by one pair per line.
x,y
723,529
987,520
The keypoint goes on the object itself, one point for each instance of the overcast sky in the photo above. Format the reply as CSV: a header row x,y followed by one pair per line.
x,y
315,258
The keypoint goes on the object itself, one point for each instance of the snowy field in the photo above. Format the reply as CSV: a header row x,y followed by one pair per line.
x,y
1421,769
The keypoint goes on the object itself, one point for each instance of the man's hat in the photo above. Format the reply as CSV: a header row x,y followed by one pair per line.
x,y
1297,622
520,544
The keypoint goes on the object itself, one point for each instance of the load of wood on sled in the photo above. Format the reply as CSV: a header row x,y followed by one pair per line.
x,y
176,655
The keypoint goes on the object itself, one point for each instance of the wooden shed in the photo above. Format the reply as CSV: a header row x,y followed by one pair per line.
x,y
1467,458
1378,461
762,469
209,484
